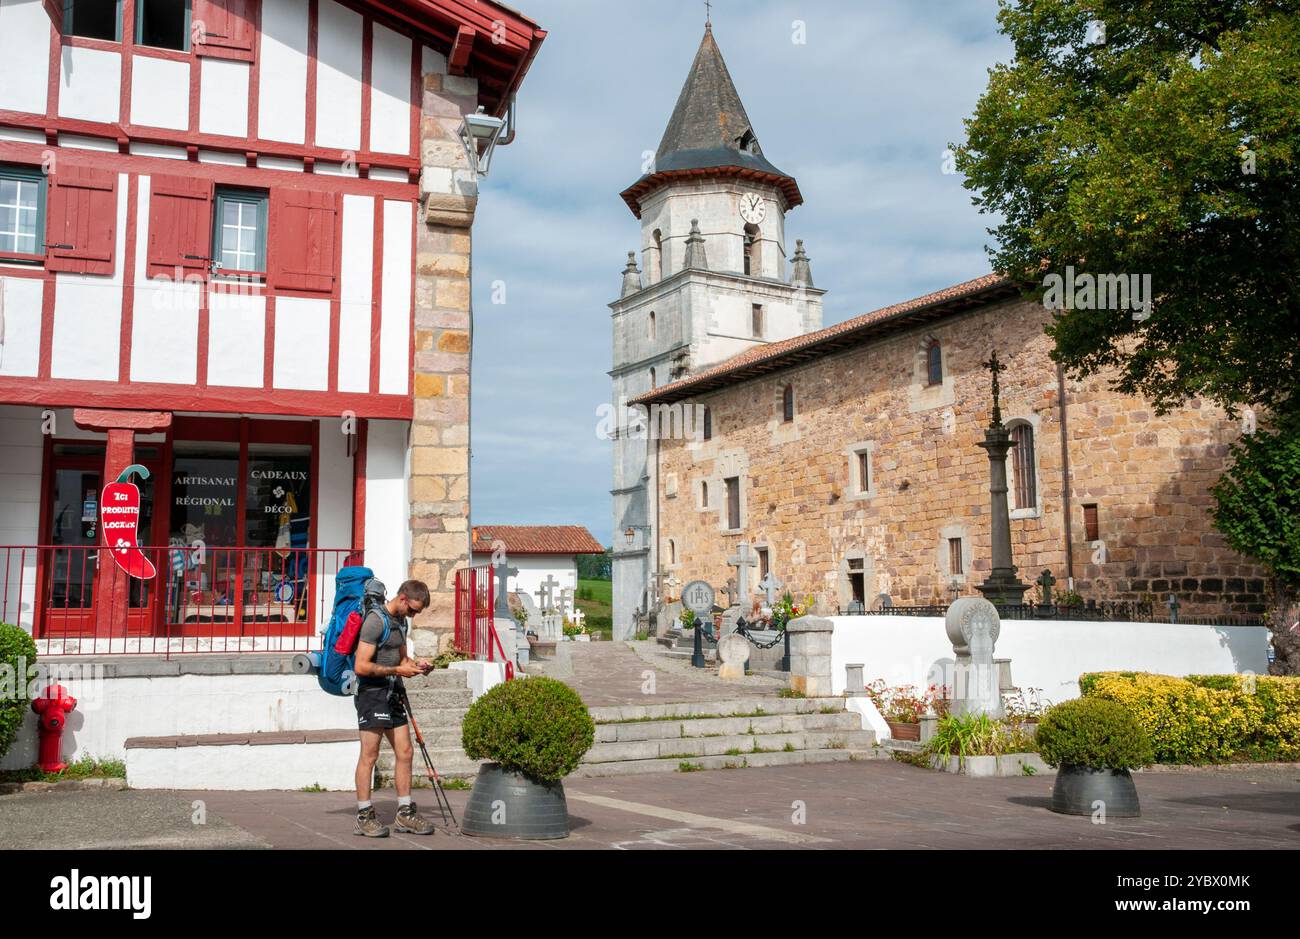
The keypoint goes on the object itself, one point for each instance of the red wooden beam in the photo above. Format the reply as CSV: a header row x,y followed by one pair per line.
x,y
99,419
461,49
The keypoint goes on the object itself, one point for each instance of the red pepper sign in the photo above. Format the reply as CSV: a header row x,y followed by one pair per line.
x,y
120,510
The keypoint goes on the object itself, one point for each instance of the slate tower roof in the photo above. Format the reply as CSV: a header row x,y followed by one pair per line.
x,y
709,134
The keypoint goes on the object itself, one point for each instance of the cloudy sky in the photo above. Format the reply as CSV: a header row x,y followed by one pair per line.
x,y
861,115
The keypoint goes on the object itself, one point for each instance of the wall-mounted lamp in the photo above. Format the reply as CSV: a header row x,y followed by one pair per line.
x,y
479,133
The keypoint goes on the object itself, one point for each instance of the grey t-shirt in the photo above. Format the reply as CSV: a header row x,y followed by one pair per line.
x,y
391,652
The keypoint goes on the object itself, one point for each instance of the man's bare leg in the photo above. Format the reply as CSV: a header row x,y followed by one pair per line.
x,y
370,740
399,738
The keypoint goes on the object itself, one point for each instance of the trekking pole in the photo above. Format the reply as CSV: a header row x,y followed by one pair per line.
x,y
439,794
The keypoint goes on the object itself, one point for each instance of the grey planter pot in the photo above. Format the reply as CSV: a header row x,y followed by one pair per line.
x,y
1079,788
510,805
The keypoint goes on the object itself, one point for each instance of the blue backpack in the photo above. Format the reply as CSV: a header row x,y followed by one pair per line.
x,y
355,591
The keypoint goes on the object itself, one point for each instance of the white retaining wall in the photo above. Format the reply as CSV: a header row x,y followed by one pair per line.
x,y
111,710
1045,654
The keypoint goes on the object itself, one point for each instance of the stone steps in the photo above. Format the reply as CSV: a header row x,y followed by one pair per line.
x,y
723,734
688,747
743,761
423,699
722,726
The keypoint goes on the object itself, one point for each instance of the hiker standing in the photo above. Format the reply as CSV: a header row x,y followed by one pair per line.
x,y
381,665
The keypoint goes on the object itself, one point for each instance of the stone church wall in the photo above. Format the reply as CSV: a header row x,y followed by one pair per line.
x,y
1149,477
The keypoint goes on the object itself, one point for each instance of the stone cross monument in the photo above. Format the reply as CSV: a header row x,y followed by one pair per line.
x,y
742,561
973,626
1002,585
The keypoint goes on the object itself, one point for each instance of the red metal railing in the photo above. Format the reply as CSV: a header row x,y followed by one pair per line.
x,y
202,599
475,618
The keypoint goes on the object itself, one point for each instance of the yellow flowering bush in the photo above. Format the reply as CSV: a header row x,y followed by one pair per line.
x,y
1208,718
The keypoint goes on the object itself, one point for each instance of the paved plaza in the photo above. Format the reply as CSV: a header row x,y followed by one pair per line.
x,y
867,805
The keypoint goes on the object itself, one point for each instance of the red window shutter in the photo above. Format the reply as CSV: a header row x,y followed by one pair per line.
x,y
304,227
224,28
180,226
81,231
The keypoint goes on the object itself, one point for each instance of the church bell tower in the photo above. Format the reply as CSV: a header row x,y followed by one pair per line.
x,y
711,280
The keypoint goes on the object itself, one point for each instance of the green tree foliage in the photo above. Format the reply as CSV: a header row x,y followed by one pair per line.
x,y
17,654
594,566
1165,146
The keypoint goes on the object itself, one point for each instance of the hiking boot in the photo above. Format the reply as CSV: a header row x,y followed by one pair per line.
x,y
368,824
412,822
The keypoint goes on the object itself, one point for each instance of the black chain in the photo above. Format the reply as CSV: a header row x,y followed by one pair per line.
x,y
743,629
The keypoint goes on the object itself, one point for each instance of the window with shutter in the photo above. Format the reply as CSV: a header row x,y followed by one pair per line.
x,y
1024,464
224,28
303,248
81,230
180,226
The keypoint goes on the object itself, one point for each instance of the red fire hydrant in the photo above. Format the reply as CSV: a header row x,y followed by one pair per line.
x,y
53,707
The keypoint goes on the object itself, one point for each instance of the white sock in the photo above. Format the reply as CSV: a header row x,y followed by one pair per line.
x,y
362,806
403,801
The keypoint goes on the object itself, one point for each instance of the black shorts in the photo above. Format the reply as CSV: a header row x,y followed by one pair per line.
x,y
379,709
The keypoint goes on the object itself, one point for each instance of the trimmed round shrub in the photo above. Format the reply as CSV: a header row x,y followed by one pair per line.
x,y
535,726
17,655
1093,732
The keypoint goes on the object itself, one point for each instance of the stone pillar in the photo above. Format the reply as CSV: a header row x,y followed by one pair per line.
x,y
1002,585
439,484
810,656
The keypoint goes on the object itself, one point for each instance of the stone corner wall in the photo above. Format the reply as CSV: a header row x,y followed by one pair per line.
x,y
439,466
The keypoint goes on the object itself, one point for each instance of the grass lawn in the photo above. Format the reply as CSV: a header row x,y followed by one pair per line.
x,y
598,610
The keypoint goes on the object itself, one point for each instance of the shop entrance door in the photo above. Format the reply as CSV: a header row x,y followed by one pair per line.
x,y
74,540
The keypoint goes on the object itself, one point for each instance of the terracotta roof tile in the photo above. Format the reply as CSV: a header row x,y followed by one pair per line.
x,y
537,539
771,354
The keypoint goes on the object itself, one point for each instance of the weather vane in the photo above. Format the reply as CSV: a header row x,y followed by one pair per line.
x,y
996,367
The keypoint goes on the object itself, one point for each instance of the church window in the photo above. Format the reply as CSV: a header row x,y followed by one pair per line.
x,y
1091,525
857,583
1023,466
733,502
704,495
661,262
954,557
651,328
654,383
753,247
756,320
708,423
764,563
864,471
934,363
672,551
787,404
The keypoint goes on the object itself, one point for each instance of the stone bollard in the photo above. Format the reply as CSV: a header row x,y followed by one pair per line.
x,y
854,683
810,656
733,653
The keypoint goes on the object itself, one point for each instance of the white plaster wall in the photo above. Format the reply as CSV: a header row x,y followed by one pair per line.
x,y
395,326
24,56
165,317
302,343
388,509
21,345
356,289
1045,654
334,526
331,766
20,495
535,568
390,95
160,92
282,88
112,710
223,97
338,77
91,84
88,314
236,339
